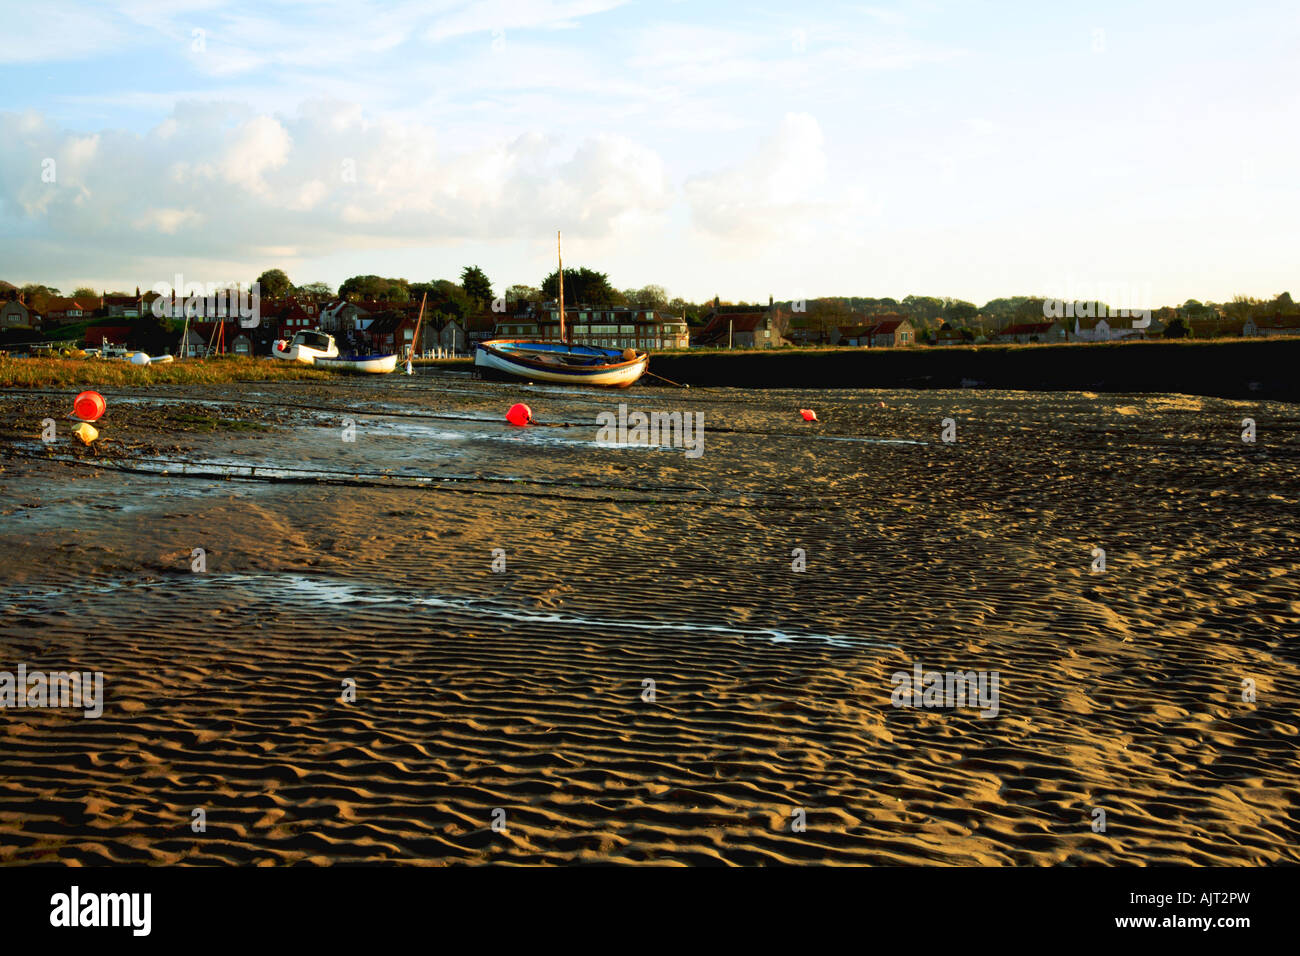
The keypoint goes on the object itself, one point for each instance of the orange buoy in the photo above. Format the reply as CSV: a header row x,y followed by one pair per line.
x,y
519,414
88,406
808,414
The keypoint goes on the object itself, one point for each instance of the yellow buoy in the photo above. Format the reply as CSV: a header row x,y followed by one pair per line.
x,y
86,432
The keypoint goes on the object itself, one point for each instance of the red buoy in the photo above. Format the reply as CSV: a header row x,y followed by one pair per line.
x,y
88,406
519,414
808,414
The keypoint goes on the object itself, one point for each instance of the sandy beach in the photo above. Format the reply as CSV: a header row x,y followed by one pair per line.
x,y
520,697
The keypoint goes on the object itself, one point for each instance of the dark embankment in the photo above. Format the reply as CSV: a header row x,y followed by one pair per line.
x,y
1242,368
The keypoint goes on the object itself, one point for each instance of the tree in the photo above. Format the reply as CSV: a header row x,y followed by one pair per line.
x,y
274,284
315,288
648,297
583,287
1176,329
373,288
38,296
523,293
83,293
476,284
960,313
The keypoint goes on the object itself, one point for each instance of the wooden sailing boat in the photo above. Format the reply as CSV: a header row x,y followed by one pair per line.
x,y
561,362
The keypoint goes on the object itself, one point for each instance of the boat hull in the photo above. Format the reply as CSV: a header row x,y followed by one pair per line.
x,y
562,365
304,353
367,364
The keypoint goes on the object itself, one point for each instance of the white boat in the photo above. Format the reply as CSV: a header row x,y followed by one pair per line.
x,y
371,364
561,363
306,347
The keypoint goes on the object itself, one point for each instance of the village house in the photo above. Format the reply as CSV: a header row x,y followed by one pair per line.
x,y
121,306
1272,326
1216,328
877,331
892,331
947,335
851,335
615,327
452,338
15,314
479,328
1026,333
64,310
1106,329
740,327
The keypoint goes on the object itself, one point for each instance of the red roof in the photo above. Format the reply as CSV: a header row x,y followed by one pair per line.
x,y
887,326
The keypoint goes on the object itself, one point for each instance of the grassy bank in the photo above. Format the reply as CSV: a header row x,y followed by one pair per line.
x,y
41,372
1228,368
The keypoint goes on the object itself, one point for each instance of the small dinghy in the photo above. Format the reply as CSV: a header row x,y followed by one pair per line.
x,y
369,364
561,362
306,347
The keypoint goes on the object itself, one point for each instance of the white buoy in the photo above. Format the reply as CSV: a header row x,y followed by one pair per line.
x,y
409,370
139,358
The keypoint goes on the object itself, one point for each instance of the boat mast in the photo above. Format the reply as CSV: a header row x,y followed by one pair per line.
x,y
560,255
415,336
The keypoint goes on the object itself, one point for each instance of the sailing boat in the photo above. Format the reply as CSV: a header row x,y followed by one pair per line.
x,y
562,362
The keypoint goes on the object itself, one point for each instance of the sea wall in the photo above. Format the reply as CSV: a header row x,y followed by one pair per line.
x,y
1230,368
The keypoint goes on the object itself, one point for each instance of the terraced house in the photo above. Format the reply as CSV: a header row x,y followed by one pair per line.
x,y
616,327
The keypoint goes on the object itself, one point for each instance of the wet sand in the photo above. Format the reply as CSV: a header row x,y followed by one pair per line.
x,y
524,691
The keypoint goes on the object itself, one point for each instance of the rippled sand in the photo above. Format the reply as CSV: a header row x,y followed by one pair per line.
x,y
525,691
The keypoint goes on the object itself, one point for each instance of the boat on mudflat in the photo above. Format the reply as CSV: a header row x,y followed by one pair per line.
x,y
306,347
371,364
561,362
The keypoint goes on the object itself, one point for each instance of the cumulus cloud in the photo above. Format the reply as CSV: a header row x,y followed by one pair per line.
x,y
215,180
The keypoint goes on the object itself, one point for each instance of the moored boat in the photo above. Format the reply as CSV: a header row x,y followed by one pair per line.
x,y
562,361
369,364
306,347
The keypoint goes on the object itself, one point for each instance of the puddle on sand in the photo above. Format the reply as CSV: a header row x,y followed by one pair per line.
x,y
305,594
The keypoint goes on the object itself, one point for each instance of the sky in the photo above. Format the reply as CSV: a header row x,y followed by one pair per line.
x,y
750,149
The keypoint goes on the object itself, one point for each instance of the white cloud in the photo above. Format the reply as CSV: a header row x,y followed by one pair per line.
x,y
218,180
771,191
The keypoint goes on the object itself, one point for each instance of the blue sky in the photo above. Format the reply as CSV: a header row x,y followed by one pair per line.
x,y
739,149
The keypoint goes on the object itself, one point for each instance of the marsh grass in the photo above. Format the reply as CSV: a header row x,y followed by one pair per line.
x,y
119,373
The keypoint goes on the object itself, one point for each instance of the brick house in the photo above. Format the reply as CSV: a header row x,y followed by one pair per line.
x,y
751,327
14,313
63,310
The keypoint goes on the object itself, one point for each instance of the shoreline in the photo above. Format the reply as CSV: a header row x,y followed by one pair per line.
x,y
1256,369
